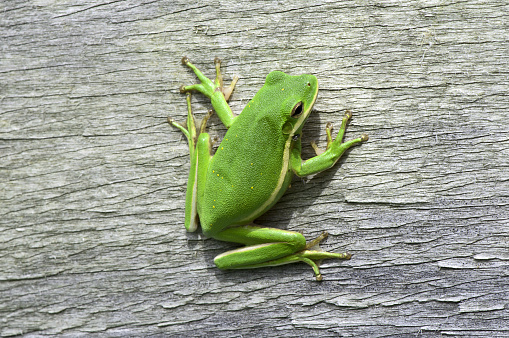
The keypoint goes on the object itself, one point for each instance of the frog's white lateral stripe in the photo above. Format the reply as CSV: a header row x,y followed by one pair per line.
x,y
254,247
286,161
244,249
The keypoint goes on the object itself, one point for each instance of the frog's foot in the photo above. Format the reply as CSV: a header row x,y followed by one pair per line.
x,y
313,257
339,138
341,132
317,240
207,87
215,91
189,128
227,91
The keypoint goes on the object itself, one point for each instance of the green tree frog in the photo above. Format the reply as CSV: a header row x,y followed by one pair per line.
x,y
252,168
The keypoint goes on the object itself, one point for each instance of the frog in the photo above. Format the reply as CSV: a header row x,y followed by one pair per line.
x,y
252,167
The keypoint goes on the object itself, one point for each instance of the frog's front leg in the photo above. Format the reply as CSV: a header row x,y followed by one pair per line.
x,y
270,247
326,159
217,93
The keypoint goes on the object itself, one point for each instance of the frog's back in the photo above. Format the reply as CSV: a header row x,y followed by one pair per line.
x,y
247,174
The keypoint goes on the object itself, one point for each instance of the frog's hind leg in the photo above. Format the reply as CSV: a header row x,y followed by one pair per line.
x,y
270,247
198,146
310,257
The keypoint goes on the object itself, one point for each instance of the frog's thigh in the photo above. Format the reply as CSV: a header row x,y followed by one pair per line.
x,y
203,148
262,245
200,158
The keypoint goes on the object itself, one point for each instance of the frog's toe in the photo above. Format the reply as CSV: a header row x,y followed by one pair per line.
x,y
179,125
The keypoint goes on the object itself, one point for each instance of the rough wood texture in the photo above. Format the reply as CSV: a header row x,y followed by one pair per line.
x,y
93,178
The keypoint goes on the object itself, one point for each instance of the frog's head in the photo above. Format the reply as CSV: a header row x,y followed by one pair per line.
x,y
294,96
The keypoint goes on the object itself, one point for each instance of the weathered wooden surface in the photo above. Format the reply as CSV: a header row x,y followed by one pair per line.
x,y
93,178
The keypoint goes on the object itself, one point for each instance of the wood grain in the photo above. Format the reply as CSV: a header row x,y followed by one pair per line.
x,y
92,177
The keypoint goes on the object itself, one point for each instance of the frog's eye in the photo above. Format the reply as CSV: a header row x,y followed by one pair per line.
x,y
297,110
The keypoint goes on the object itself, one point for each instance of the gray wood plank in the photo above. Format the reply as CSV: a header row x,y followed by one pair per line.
x,y
92,177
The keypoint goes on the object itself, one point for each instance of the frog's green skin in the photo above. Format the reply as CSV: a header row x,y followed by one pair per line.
x,y
252,168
